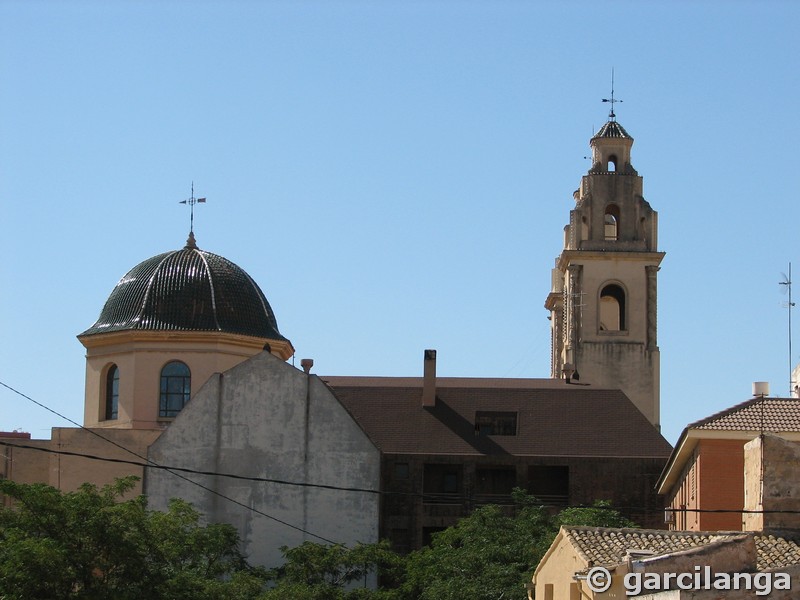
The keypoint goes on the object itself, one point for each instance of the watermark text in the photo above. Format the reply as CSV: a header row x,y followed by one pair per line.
x,y
599,579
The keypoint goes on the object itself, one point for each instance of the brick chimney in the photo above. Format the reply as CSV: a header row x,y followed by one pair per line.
x,y
429,379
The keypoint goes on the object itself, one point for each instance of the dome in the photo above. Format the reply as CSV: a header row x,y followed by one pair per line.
x,y
187,290
612,129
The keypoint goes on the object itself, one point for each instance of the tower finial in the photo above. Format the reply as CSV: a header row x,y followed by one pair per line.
x,y
191,201
612,100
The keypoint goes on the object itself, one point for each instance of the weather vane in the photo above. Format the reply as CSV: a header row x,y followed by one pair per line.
x,y
191,202
612,100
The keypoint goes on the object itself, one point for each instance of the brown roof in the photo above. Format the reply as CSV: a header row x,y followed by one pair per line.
x,y
606,546
743,421
553,418
773,415
777,552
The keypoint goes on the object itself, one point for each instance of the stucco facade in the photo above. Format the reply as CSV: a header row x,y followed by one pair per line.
x,y
140,357
264,418
55,463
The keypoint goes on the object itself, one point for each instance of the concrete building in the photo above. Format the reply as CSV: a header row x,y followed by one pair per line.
x,y
603,299
265,419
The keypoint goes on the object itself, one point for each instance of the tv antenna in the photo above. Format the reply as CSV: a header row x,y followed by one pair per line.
x,y
786,287
612,100
191,201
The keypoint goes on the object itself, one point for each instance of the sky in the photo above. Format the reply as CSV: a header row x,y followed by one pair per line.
x,y
396,176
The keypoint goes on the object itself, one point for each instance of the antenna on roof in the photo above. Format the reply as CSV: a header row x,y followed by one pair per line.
x,y
191,201
612,100
787,287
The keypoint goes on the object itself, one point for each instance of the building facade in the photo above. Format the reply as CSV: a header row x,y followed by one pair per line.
x,y
288,461
170,323
185,367
703,482
450,444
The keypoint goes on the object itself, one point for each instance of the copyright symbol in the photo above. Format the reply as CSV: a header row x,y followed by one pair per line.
x,y
599,579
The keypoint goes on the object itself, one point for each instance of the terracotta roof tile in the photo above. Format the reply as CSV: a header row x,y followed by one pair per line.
x,y
777,552
612,129
553,418
778,415
607,546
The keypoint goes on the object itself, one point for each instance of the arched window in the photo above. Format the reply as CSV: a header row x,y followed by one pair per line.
x,y
612,163
176,386
112,393
612,308
611,222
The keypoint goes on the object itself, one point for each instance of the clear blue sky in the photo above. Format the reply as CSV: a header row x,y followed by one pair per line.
x,y
396,176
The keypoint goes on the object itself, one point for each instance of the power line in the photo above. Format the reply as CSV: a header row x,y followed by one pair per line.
x,y
373,491
152,463
198,472
176,471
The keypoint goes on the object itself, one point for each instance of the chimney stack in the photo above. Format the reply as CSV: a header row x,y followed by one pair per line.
x,y
429,379
760,388
307,363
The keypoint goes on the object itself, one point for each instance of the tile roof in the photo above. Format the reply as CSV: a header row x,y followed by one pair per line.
x,y
188,290
777,415
776,551
744,420
612,129
553,417
606,546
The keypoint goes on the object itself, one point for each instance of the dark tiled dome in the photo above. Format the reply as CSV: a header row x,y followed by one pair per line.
x,y
188,290
612,129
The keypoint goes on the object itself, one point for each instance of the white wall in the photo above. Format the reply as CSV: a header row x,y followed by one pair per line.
x,y
265,418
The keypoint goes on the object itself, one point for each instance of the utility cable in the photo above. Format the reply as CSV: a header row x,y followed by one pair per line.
x,y
152,463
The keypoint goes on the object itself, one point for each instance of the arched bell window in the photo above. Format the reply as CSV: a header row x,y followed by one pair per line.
x,y
176,387
612,308
611,222
112,393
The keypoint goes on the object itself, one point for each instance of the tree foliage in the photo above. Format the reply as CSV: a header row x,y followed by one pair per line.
x,y
89,545
321,572
492,553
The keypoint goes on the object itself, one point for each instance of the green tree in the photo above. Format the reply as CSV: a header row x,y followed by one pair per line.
x,y
90,545
491,554
321,572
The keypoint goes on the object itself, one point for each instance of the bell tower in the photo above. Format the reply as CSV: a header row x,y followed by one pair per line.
x,y
602,301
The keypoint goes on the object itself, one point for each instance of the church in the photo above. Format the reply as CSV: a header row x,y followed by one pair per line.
x,y
188,386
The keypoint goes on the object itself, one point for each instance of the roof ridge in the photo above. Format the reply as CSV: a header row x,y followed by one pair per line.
x,y
676,533
210,275
149,287
739,408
